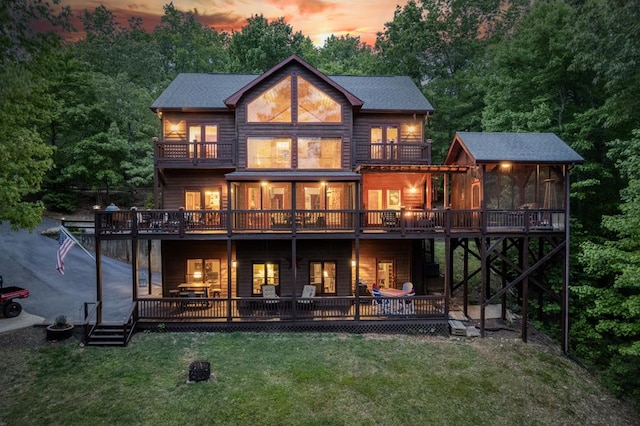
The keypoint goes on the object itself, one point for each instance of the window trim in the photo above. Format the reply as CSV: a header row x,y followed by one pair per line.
x,y
277,280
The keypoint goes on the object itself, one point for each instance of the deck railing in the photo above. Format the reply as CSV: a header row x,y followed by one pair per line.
x,y
184,222
393,153
185,153
188,153
292,309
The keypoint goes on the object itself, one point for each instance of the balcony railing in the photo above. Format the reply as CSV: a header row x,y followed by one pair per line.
x,y
184,222
213,153
393,153
188,153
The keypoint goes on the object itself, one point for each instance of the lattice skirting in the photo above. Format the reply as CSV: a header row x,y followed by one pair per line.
x,y
439,327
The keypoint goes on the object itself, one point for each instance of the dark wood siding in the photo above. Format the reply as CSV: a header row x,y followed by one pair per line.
x,y
372,251
339,251
224,120
174,261
178,181
363,122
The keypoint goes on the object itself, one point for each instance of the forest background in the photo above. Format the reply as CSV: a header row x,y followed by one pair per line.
x,y
75,115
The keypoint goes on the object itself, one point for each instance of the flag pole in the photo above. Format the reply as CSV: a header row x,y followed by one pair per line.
x,y
68,234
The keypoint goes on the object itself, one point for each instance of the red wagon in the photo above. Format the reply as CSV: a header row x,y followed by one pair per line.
x,y
8,306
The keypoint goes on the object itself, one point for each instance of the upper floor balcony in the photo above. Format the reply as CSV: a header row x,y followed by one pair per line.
x,y
393,153
184,154
185,223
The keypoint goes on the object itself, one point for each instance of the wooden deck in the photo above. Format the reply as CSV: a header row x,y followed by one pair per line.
x,y
255,309
155,224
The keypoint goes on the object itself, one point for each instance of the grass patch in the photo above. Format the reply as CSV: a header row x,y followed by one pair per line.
x,y
304,379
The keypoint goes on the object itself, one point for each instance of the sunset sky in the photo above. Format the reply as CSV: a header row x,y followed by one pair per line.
x,y
316,19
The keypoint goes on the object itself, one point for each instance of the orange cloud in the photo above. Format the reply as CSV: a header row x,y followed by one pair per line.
x,y
316,19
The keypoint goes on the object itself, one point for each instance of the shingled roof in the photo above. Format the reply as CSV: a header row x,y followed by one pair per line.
x,y
209,91
491,147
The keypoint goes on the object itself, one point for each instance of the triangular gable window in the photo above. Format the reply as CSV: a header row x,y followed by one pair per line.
x,y
315,106
273,105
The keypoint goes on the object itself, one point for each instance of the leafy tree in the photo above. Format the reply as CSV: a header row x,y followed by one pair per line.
x,y
347,55
189,46
440,44
26,156
25,106
611,320
261,44
112,49
98,159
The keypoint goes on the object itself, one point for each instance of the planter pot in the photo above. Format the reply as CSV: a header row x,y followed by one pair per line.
x,y
57,333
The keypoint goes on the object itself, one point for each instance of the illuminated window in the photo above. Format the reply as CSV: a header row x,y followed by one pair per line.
x,y
203,271
193,199
322,275
383,140
315,106
265,273
269,153
273,105
319,153
203,140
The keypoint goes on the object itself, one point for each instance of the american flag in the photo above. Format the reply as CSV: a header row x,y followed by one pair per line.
x,y
65,244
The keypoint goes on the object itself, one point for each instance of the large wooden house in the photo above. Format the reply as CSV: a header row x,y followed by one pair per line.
x,y
283,199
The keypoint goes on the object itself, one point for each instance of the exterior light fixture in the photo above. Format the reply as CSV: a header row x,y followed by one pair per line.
x,y
234,263
353,263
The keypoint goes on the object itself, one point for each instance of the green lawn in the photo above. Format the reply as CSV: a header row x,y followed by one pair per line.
x,y
303,379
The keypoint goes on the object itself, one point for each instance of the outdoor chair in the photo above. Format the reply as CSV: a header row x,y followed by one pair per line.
x,y
305,302
390,219
270,297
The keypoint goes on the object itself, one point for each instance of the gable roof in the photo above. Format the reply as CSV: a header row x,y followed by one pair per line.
x,y
491,147
235,98
200,91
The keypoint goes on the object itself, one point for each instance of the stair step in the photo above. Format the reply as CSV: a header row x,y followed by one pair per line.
x,y
105,343
107,334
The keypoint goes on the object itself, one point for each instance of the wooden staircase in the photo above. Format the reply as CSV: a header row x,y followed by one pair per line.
x,y
109,335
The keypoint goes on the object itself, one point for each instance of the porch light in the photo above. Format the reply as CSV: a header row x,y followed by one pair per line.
x,y
505,166
412,130
353,263
264,183
234,263
413,190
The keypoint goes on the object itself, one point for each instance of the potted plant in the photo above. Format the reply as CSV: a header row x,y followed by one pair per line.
x,y
61,329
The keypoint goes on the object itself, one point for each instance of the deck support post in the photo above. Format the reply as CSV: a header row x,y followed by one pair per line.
x,y
134,268
524,266
484,274
229,279
99,280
